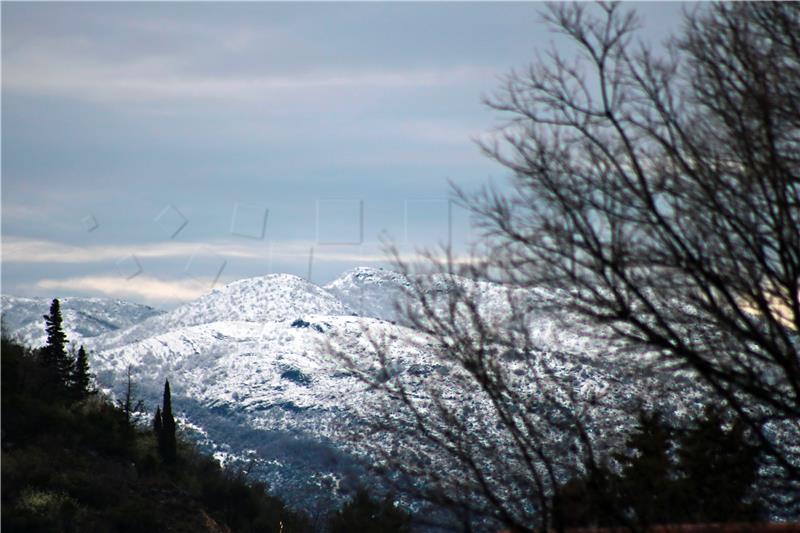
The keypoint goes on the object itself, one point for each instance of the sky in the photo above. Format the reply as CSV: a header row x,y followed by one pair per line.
x,y
152,151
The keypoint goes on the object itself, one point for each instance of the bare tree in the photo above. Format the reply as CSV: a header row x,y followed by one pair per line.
x,y
482,423
129,403
664,193
656,204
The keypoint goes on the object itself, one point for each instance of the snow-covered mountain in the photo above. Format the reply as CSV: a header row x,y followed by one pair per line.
x,y
248,368
371,292
253,377
83,317
272,298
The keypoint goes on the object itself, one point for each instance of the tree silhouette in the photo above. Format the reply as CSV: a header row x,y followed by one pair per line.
x,y
158,425
645,489
718,466
54,354
655,200
129,404
703,473
661,192
166,437
81,378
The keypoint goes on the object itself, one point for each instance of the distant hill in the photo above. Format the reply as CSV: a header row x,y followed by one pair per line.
x,y
83,317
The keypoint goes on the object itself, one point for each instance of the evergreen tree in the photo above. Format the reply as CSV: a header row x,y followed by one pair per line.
x,y
641,494
54,353
81,378
718,467
166,438
704,473
586,501
645,490
157,424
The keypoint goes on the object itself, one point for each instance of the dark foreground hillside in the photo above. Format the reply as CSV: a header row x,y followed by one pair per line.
x,y
80,465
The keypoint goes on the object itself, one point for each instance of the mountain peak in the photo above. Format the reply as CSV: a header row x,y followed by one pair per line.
x,y
269,298
363,276
371,291
261,281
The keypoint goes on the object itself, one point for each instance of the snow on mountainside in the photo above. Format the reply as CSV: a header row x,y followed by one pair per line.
x,y
83,317
268,391
374,293
271,298
258,384
247,366
370,292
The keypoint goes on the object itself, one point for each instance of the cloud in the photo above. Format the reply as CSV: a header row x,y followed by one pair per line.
x,y
24,212
161,79
23,250
141,288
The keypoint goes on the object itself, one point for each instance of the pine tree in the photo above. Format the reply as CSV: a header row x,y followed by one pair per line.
x,y
81,378
54,353
166,437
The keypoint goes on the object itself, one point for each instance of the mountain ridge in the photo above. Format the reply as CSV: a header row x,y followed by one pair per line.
x,y
253,377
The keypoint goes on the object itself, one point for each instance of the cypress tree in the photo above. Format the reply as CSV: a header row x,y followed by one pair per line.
x,y
166,441
54,353
81,377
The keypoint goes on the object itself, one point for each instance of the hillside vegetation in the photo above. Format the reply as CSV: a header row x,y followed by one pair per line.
x,y
72,460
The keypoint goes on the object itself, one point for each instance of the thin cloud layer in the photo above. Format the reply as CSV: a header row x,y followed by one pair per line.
x,y
22,250
136,82
143,288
